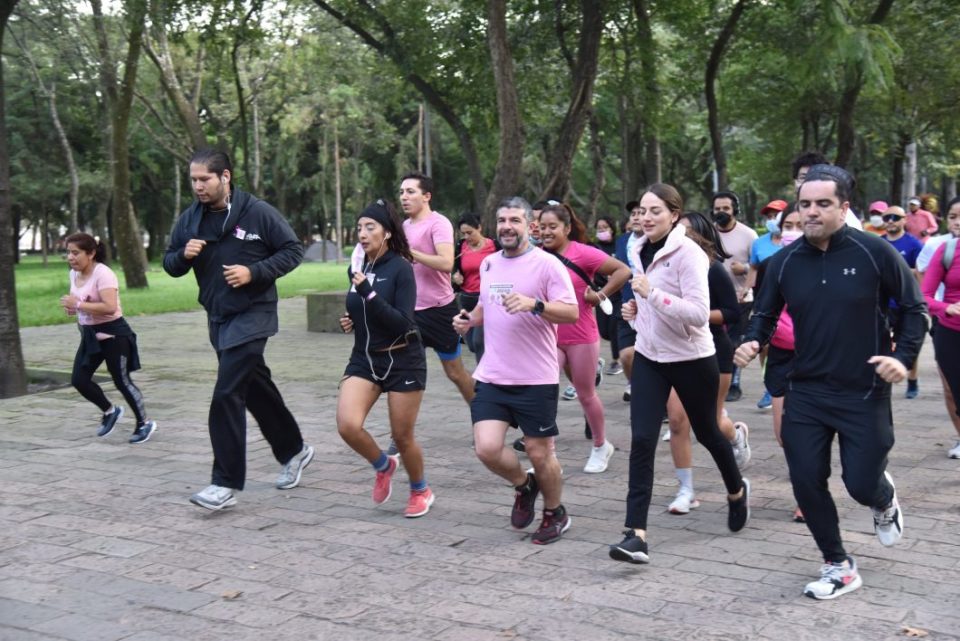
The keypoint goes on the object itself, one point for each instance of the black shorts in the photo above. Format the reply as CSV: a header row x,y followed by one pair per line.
x,y
436,329
721,341
779,365
406,373
626,336
532,408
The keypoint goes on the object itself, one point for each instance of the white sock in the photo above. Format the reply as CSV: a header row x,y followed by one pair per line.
x,y
685,476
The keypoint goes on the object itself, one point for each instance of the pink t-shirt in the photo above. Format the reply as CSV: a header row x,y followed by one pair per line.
x,y
783,335
738,242
589,259
433,287
101,278
520,349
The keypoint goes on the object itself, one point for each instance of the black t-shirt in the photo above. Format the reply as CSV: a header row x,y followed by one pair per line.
x,y
211,223
650,250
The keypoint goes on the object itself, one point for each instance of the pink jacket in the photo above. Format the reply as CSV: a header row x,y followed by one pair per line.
x,y
672,322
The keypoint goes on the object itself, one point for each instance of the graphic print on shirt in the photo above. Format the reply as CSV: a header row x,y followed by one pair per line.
x,y
498,291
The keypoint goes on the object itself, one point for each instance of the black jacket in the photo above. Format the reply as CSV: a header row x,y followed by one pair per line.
x,y
838,300
254,234
389,314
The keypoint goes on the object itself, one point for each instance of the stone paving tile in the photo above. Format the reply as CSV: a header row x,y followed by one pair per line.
x,y
97,539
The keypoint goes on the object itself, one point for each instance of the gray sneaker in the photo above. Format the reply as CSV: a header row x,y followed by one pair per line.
x,y
290,474
888,522
109,421
214,497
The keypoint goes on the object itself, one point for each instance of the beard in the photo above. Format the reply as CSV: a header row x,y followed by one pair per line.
x,y
510,240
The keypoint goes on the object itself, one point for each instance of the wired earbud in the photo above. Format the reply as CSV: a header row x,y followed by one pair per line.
x,y
387,235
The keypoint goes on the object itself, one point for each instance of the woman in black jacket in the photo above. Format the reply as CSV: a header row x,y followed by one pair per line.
x,y
387,353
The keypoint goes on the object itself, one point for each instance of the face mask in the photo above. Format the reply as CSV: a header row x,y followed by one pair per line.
x,y
876,221
534,241
772,226
604,236
722,219
788,237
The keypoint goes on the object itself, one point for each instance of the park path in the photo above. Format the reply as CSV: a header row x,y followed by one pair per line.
x,y
99,543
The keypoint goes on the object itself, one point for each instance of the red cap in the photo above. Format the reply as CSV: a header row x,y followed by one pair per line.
x,y
878,205
774,205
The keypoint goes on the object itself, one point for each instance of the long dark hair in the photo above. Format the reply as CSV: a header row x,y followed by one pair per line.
x,y
568,217
705,234
88,244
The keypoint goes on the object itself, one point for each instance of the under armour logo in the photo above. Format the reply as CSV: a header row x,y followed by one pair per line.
x,y
849,271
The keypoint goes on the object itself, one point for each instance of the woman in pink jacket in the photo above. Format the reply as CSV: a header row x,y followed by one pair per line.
x,y
675,350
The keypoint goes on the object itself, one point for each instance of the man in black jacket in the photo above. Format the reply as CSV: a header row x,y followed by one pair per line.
x,y
836,283
238,246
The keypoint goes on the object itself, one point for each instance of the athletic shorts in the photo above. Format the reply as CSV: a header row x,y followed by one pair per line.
x,y
626,336
406,373
779,365
721,341
532,408
436,330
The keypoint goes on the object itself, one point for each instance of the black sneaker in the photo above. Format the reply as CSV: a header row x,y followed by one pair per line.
x,y
739,512
109,421
519,445
523,503
143,432
631,549
734,395
587,432
554,524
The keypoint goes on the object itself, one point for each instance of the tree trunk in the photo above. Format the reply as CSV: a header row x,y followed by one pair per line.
x,y
713,70
509,172
257,166
909,171
581,101
650,104
186,111
13,374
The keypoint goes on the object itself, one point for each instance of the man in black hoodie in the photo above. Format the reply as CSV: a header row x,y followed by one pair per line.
x,y
238,246
837,282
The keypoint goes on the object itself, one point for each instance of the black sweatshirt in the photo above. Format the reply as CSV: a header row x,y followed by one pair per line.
x,y
253,234
723,297
838,300
389,314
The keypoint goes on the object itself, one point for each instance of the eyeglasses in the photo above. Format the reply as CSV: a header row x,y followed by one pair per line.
x,y
892,218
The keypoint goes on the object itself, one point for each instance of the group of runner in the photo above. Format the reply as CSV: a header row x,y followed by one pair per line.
x,y
528,310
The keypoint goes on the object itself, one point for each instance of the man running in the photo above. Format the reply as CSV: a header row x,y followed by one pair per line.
x,y
524,292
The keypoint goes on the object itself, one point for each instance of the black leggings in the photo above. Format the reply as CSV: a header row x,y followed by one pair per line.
x,y
946,348
116,353
696,383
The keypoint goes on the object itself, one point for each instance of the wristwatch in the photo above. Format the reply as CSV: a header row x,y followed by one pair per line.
x,y
538,307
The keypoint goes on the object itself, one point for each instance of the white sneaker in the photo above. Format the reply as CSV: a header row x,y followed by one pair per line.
x,y
569,394
741,445
888,523
600,367
666,435
599,458
835,579
684,502
290,474
214,497
955,452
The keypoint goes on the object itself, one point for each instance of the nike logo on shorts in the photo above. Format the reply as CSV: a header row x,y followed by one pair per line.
x,y
409,382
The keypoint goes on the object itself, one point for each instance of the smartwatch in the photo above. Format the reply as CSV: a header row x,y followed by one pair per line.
x,y
538,307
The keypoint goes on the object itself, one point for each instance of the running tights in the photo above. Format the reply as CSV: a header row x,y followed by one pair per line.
x,y
115,352
946,347
582,360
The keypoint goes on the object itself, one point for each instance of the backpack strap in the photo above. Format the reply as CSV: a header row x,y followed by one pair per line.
x,y
572,266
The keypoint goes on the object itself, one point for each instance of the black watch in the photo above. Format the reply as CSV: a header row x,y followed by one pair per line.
x,y
538,307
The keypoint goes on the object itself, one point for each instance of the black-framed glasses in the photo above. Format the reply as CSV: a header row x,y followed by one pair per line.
x,y
892,218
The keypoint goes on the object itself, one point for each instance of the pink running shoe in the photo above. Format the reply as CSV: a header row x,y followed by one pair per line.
x,y
383,486
419,503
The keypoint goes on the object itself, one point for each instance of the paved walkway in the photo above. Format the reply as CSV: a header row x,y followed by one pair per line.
x,y
98,541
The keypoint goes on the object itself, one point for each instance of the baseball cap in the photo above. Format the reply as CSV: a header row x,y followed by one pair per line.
x,y
878,206
914,201
774,205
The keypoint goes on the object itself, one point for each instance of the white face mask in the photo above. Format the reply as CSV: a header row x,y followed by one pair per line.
x,y
789,236
876,220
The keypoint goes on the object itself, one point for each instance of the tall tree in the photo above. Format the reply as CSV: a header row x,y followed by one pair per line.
x,y
710,89
119,95
13,375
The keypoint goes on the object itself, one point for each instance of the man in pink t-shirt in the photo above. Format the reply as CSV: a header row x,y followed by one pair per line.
x,y
921,224
430,236
524,292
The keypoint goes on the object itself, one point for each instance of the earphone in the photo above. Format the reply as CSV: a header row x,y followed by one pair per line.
x,y
388,235
223,180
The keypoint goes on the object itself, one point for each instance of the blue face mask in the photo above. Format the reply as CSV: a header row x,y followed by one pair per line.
x,y
772,226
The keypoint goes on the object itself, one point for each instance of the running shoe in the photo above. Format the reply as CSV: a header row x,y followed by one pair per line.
x,y
143,432
913,389
524,501
631,549
888,523
419,503
734,395
684,501
835,580
600,365
599,458
614,368
955,452
626,393
741,444
214,497
519,445
554,524
110,419
569,394
383,485
739,509
765,402
666,435
798,516
392,448
290,474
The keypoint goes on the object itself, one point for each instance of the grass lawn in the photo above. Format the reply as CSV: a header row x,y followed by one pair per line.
x,y
39,289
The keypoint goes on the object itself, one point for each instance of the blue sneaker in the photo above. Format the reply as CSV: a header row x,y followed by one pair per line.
x,y
765,401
